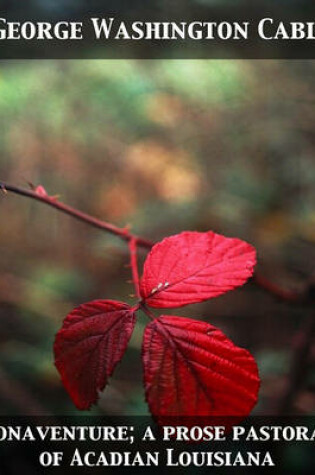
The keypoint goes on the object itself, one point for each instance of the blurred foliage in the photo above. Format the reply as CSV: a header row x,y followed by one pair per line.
x,y
162,146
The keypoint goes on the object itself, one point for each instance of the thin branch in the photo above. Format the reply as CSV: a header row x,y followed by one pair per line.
x,y
303,341
278,292
147,311
123,233
134,265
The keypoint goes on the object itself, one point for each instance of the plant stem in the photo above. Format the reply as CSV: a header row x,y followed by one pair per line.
x,y
132,244
148,312
282,294
303,341
123,233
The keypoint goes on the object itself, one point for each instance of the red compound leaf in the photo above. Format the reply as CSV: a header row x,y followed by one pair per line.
x,y
92,340
192,369
191,267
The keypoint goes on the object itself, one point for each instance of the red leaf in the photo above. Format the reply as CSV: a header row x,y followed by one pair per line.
x,y
192,369
191,267
90,343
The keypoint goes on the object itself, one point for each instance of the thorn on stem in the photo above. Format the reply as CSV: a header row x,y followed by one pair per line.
x,y
3,189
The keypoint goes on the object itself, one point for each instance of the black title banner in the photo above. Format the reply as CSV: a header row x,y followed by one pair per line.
x,y
193,30
135,444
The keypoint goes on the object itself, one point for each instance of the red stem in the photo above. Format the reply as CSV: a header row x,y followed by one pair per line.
x,y
148,312
282,294
132,244
123,233
300,364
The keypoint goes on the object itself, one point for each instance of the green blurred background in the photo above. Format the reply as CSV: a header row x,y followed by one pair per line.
x,y
162,146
